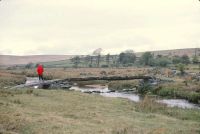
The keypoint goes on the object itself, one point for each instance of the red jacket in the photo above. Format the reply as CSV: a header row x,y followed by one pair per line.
x,y
40,69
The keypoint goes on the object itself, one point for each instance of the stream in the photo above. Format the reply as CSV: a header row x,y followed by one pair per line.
x,y
104,91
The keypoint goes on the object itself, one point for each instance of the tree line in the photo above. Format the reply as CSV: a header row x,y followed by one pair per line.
x,y
129,58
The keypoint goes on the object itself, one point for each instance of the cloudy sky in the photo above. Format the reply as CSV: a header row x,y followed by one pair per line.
x,y
30,27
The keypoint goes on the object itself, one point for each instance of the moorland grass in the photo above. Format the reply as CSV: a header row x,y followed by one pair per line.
x,y
8,79
58,111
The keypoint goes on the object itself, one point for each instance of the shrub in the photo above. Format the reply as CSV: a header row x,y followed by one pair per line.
x,y
104,66
127,57
12,68
144,88
146,59
167,92
181,68
163,62
29,65
193,97
128,65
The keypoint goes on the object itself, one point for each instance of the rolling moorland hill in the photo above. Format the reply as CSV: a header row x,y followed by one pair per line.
x,y
188,51
17,60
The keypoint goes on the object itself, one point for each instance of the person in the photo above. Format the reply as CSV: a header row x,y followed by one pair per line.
x,y
40,71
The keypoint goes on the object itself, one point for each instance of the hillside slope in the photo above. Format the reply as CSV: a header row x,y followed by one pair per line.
x,y
16,60
188,51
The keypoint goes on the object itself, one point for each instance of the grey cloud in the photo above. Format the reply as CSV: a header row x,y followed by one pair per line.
x,y
79,27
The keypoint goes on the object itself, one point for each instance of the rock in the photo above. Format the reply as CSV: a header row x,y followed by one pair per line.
x,y
96,92
111,91
75,84
66,86
65,82
89,92
128,90
45,86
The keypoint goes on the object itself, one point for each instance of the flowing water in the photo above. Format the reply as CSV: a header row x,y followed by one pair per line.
x,y
181,103
104,91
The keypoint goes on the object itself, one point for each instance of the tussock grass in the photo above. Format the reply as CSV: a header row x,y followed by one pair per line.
x,y
16,101
58,111
29,91
149,105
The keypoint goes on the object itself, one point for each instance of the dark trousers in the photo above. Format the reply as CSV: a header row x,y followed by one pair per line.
x,y
40,77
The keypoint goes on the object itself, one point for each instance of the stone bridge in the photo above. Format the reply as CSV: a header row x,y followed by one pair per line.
x,y
66,83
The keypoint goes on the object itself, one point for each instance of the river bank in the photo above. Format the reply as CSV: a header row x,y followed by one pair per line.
x,y
168,90
133,96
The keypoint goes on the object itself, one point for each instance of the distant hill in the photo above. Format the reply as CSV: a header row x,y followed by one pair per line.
x,y
188,51
17,60
58,59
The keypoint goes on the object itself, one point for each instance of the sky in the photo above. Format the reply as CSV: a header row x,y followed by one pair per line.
x,y
30,27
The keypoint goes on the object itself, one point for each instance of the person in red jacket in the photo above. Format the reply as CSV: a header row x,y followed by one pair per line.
x,y
40,71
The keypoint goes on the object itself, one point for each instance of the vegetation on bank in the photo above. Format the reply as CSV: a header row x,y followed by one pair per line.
x,y
171,90
58,111
9,80
191,96
120,85
164,90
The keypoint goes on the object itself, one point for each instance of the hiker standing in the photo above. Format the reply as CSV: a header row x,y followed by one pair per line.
x,y
40,71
